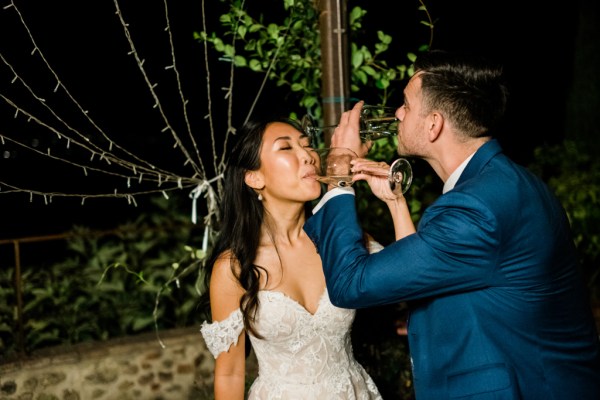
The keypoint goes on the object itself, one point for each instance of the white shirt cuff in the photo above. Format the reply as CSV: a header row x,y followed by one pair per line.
x,y
331,194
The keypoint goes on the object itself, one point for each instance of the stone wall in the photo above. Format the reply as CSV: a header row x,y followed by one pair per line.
x,y
136,367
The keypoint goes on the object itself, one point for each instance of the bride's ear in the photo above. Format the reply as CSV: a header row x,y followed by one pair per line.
x,y
254,179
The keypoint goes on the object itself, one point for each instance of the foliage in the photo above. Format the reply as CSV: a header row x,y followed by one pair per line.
x,y
574,175
134,279
290,53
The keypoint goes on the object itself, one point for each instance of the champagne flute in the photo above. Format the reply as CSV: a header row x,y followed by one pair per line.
x,y
400,176
376,122
334,166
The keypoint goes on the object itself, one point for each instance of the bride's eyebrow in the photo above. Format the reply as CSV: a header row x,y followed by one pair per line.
x,y
302,136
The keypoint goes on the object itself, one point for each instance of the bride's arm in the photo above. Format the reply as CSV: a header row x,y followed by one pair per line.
x,y
230,366
403,224
375,173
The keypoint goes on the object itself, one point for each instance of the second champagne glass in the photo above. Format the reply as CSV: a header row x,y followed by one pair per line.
x,y
334,167
376,122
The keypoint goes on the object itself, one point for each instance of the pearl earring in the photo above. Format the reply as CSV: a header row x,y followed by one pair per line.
x,y
260,197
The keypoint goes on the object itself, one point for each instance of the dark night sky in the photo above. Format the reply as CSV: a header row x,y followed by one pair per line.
x,y
534,39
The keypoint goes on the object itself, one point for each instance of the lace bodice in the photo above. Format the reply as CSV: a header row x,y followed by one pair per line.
x,y
302,356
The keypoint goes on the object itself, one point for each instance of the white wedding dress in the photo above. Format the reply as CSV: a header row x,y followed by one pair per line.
x,y
302,356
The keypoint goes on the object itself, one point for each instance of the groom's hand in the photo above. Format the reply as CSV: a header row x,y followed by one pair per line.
x,y
347,133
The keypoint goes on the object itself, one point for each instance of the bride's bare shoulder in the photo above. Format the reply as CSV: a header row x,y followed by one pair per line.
x,y
225,266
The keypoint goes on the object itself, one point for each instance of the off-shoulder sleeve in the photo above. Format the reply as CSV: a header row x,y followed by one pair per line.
x,y
219,336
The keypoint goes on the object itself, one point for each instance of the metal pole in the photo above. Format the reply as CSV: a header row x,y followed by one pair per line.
x,y
334,59
20,339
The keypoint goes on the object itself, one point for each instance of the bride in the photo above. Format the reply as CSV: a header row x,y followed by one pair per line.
x,y
266,279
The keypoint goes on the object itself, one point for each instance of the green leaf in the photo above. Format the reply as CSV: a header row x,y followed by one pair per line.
x,y
357,59
239,61
386,39
219,45
297,87
369,70
255,65
356,15
229,50
380,48
362,77
310,101
255,28
382,83
273,31
241,31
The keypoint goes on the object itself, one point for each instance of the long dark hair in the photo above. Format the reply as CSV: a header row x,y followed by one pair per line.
x,y
241,217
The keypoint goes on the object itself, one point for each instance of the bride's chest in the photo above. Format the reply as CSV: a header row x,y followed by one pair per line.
x,y
281,318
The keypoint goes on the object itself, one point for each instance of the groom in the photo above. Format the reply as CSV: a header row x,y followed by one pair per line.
x,y
498,308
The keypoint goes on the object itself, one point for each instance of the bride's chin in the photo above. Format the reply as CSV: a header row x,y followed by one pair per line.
x,y
316,191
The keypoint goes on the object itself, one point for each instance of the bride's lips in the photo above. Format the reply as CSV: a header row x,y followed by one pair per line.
x,y
312,174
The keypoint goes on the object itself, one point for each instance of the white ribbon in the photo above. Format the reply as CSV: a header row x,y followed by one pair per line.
x,y
210,196
211,202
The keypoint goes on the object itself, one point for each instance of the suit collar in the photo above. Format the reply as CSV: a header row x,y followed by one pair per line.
x,y
480,159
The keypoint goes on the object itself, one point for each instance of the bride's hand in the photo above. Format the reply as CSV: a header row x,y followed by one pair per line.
x,y
375,173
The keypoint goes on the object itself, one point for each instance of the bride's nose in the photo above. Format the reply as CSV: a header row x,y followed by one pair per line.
x,y
308,157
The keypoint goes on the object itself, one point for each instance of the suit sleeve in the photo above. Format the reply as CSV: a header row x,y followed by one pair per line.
x,y
452,251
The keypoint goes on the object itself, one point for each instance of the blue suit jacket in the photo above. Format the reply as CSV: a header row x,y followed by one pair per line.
x,y
498,308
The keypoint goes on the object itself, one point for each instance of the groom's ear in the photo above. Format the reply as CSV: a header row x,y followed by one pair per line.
x,y
434,123
254,179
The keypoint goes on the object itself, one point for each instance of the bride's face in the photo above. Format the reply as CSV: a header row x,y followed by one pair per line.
x,y
288,165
